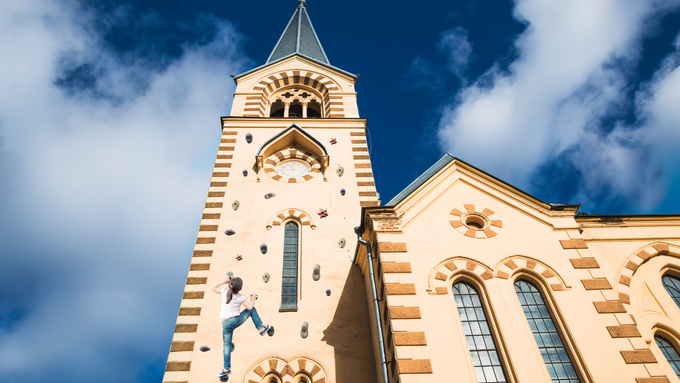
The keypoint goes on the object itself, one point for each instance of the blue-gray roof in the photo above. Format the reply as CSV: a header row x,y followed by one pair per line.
x,y
299,37
447,159
439,165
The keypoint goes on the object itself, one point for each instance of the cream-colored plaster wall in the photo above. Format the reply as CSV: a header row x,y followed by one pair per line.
x,y
339,338
538,242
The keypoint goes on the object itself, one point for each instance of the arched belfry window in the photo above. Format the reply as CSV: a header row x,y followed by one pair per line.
x,y
548,339
672,285
296,102
669,352
289,284
485,357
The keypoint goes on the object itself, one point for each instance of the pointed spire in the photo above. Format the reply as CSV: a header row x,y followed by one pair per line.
x,y
300,38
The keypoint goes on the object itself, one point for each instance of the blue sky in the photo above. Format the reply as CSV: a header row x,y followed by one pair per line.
x,y
109,123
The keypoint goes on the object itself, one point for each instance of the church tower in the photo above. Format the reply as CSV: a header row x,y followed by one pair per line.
x,y
291,176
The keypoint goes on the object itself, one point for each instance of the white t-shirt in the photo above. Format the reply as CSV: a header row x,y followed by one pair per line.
x,y
231,309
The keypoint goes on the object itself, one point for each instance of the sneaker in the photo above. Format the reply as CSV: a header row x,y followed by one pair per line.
x,y
266,328
224,373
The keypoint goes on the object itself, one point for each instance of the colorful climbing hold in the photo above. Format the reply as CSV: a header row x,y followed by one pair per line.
x,y
230,274
269,195
263,248
342,242
342,192
323,213
328,292
333,141
249,138
239,257
245,173
265,277
235,205
340,171
204,348
229,232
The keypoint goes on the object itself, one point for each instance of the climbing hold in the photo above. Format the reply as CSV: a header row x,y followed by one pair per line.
x,y
323,213
342,243
239,257
269,195
204,348
230,274
229,232
333,141
245,173
317,273
304,332
328,292
249,138
235,205
224,378
342,191
270,332
263,248
265,277
233,347
340,171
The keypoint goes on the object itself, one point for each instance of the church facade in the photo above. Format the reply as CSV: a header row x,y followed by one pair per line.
x,y
461,277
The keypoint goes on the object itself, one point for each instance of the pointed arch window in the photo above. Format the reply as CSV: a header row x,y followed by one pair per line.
x,y
550,344
483,351
669,352
289,284
672,286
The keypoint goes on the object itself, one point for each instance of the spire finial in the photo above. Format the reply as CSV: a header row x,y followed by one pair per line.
x,y
301,3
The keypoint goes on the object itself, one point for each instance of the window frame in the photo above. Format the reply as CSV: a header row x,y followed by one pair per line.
x,y
559,322
291,308
492,321
672,271
670,335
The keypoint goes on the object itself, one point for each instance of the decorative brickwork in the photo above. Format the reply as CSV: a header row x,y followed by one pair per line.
x,y
474,224
279,366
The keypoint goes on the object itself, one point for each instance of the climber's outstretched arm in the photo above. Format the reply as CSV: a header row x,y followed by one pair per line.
x,y
218,287
249,303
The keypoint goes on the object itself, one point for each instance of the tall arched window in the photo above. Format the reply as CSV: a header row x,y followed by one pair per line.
x,y
555,355
290,267
485,357
672,285
669,352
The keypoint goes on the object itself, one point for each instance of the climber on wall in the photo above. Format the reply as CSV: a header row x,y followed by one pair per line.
x,y
231,318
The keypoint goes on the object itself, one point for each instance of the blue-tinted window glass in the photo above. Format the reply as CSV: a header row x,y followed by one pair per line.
x,y
672,285
547,338
669,352
485,358
290,266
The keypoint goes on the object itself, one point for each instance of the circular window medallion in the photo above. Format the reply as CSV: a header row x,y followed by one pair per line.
x,y
292,166
475,224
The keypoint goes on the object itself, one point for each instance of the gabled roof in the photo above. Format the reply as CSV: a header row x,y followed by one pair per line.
x,y
294,127
300,38
446,160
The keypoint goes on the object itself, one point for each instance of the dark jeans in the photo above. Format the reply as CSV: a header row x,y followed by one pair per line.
x,y
228,327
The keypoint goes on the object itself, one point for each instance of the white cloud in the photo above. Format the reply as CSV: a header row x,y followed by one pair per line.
x,y
573,70
100,189
455,44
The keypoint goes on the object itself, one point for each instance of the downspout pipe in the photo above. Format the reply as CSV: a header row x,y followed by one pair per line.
x,y
359,230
